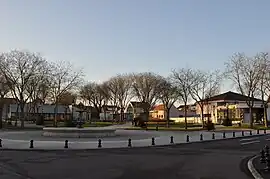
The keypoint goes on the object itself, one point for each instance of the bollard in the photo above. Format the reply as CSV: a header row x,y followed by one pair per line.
x,y
172,140
243,134
99,143
266,149
213,136
156,128
233,134
264,131
267,168
262,160
201,137
129,143
153,141
258,131
250,132
31,144
187,138
224,135
1,143
66,144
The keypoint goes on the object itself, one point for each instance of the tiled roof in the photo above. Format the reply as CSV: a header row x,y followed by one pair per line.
x,y
142,105
159,107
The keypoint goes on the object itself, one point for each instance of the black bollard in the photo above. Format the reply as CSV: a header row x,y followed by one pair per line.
x,y
187,138
31,144
172,140
224,135
243,134
267,168
1,143
99,143
233,134
153,141
262,160
129,143
156,128
264,131
201,137
213,136
66,144
266,149
258,131
250,132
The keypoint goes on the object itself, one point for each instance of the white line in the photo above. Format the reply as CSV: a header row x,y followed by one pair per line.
x,y
253,138
251,142
252,170
267,139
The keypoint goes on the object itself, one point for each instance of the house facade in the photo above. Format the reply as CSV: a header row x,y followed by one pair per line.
x,y
135,109
229,105
158,112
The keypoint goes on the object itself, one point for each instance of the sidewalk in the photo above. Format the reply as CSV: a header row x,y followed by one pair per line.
x,y
261,168
165,139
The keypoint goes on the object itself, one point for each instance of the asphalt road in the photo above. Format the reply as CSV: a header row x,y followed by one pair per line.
x,y
224,159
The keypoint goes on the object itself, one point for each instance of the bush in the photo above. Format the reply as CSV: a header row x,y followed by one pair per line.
x,y
226,122
40,121
70,123
209,125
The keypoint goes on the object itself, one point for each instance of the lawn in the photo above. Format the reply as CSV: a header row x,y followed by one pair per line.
x,y
163,128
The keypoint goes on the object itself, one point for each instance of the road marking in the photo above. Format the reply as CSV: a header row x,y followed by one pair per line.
x,y
253,138
267,139
251,142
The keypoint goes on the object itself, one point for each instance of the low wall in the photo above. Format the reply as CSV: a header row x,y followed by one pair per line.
x,y
78,132
189,119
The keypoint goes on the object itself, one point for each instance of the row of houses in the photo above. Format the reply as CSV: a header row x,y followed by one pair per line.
x,y
227,105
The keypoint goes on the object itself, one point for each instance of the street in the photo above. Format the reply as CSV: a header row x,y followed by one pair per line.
x,y
223,159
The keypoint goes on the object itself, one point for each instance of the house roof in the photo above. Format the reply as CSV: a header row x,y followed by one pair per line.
x,y
159,107
9,100
230,96
142,105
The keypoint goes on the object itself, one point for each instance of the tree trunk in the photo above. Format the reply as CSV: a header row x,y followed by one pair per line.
x,y
1,114
22,105
250,117
185,108
167,113
265,115
55,114
202,116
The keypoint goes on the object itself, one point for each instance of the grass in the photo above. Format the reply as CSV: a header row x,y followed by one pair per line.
x,y
173,128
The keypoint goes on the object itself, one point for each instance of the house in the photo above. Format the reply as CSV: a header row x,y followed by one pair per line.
x,y
229,105
109,112
191,110
6,102
135,109
158,112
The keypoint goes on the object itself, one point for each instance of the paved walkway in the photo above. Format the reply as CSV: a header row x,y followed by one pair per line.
x,y
163,139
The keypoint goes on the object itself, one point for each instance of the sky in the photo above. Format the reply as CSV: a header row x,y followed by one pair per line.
x,y
107,37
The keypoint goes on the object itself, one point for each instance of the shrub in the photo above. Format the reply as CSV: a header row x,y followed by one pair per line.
x,y
40,121
70,123
209,125
226,122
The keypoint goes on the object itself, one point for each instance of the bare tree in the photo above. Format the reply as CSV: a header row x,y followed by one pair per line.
x,y
206,85
245,74
264,83
168,94
184,79
120,91
4,90
64,78
146,88
67,98
94,94
20,67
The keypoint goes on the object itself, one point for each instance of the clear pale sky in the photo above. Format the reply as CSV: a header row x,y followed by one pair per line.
x,y
107,37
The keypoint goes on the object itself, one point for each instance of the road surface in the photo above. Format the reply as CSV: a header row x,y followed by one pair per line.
x,y
209,160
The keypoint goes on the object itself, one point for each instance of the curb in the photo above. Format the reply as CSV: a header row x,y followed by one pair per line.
x,y
252,169
130,148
